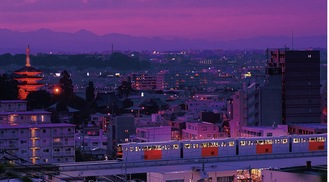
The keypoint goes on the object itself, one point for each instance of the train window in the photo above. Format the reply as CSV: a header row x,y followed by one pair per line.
x,y
284,140
136,149
231,143
131,149
260,142
187,146
321,139
312,139
242,143
268,141
159,147
175,146
214,144
277,141
196,145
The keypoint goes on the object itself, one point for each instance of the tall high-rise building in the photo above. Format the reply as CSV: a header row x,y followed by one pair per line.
x,y
245,109
270,96
301,101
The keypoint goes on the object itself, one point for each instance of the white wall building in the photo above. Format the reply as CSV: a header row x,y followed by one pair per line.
x,y
29,137
153,134
192,175
201,130
263,131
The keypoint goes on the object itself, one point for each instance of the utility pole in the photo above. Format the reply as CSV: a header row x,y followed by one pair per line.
x,y
250,173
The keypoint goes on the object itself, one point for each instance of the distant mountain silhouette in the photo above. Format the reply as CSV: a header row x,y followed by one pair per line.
x,y
44,40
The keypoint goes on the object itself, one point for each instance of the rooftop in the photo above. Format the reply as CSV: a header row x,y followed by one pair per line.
x,y
311,170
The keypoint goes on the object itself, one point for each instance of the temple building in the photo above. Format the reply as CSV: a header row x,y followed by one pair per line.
x,y
28,78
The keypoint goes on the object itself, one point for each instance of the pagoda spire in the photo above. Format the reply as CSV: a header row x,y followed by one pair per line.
x,y
28,64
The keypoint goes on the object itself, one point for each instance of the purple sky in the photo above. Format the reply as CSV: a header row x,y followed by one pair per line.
x,y
192,19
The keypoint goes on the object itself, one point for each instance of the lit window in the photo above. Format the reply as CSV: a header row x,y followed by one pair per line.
x,y
187,146
268,141
285,141
312,139
309,56
34,118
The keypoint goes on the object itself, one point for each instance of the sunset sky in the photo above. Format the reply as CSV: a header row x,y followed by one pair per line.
x,y
192,19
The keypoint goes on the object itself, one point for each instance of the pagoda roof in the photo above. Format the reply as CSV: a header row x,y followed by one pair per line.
x,y
20,77
27,69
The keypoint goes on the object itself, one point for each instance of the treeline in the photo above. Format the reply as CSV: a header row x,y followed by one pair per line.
x,y
116,61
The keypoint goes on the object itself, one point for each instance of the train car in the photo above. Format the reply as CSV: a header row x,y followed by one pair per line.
x,y
263,145
208,148
148,151
308,143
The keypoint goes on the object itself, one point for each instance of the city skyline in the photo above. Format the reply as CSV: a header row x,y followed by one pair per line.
x,y
209,20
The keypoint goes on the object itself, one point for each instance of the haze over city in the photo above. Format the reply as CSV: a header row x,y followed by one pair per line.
x,y
187,19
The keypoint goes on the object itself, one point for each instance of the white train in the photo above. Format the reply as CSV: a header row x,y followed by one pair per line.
x,y
221,147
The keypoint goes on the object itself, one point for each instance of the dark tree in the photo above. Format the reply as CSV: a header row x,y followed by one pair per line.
x,y
66,85
125,88
39,99
90,92
8,88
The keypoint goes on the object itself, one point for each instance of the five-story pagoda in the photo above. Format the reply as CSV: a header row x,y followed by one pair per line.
x,y
28,78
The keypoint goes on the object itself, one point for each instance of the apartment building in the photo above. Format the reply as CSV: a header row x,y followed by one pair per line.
x,y
29,137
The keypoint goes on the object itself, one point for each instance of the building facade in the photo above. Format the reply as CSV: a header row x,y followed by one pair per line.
x,y
29,137
300,85
201,130
119,130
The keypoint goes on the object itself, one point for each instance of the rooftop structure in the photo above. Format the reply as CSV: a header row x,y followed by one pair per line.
x,y
249,131
299,173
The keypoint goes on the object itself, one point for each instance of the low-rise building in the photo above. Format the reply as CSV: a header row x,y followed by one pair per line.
x,y
263,131
311,128
201,130
153,134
